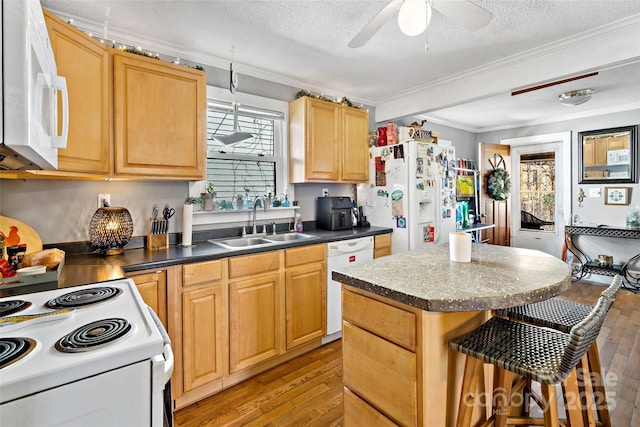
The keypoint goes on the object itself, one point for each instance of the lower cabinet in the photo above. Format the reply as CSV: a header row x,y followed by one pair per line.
x,y
202,341
305,294
255,309
381,245
152,286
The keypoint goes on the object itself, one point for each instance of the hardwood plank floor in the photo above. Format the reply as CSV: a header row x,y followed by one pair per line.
x,y
307,391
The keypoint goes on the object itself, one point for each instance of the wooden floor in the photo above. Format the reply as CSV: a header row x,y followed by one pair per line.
x,y
307,391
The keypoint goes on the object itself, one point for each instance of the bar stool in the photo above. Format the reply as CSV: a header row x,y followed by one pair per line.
x,y
535,353
562,315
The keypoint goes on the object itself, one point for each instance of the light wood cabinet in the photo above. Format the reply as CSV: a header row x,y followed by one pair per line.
x,y
153,290
381,245
204,312
87,68
328,142
256,320
594,151
305,294
129,116
379,359
159,118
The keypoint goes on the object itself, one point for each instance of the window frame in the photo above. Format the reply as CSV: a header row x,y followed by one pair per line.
x,y
215,94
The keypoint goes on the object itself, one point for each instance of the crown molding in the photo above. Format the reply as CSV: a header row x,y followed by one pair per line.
x,y
196,57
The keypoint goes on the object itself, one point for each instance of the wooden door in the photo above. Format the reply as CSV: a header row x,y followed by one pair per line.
x,y
381,245
494,211
202,332
255,321
355,145
159,118
86,65
153,289
305,303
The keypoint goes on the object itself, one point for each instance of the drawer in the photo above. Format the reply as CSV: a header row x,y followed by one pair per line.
x,y
381,373
254,264
358,413
384,320
304,255
202,272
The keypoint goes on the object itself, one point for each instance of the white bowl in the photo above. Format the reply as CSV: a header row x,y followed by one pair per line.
x,y
28,271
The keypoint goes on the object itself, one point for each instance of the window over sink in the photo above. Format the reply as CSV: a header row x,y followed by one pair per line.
x,y
257,166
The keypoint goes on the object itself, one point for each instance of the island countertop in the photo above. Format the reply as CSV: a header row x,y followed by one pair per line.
x,y
497,277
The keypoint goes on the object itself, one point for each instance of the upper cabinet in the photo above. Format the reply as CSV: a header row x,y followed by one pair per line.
x,y
130,116
87,67
159,118
327,142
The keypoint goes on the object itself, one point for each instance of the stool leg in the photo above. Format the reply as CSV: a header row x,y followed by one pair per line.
x,y
502,397
585,386
597,379
550,410
571,396
469,391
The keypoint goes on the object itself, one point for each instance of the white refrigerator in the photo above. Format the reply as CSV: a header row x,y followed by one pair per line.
x,y
412,190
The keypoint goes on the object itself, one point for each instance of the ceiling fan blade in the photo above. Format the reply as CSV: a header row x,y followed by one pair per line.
x,y
375,24
464,12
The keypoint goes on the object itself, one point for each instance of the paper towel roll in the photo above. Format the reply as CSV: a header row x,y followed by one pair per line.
x,y
460,246
187,224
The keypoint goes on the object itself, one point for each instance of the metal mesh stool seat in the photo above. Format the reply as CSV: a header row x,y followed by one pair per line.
x,y
535,353
562,315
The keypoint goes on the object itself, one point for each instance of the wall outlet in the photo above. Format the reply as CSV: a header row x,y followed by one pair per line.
x,y
102,198
325,192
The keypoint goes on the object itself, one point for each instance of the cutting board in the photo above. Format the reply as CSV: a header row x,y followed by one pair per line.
x,y
22,233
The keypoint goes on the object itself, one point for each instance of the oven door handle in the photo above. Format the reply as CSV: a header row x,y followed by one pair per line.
x,y
168,362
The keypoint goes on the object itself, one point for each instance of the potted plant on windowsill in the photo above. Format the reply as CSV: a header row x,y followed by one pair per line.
x,y
210,202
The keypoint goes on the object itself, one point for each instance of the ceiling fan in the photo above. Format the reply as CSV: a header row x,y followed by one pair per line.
x,y
414,17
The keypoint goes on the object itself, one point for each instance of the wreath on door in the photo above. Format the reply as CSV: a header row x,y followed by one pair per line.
x,y
498,183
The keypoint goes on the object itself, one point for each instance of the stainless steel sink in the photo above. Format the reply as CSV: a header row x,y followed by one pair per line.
x,y
242,242
288,237
259,241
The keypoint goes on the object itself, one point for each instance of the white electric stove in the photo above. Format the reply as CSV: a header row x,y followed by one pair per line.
x,y
102,359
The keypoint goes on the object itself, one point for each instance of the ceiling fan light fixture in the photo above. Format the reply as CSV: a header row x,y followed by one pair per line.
x,y
575,97
414,16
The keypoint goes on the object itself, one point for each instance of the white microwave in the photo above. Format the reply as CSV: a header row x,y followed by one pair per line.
x,y
31,90
618,157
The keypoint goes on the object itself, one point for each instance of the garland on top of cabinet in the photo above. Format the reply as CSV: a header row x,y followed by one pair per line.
x,y
343,101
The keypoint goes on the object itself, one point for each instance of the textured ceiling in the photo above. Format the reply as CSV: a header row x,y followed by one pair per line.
x,y
303,43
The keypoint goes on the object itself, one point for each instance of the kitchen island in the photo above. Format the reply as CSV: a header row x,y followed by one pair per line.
x,y
399,313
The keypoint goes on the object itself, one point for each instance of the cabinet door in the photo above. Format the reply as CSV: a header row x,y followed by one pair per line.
x,y
381,245
355,145
202,331
589,153
305,303
322,160
255,320
153,289
159,118
86,65
601,153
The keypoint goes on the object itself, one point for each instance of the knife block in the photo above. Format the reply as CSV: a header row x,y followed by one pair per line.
x,y
156,241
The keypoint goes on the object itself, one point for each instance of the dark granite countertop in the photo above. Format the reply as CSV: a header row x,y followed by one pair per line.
x,y
80,269
497,277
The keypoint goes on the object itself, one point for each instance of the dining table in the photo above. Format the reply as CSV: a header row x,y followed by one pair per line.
x,y
400,311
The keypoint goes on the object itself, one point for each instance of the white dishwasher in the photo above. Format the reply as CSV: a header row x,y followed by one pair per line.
x,y
341,254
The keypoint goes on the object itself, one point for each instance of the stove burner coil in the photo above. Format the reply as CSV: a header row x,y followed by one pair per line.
x,y
94,335
84,297
13,306
14,349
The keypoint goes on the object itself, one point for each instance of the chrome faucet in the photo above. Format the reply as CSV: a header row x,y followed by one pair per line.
x,y
255,204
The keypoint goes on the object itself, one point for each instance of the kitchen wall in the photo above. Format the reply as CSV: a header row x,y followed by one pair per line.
x,y
593,210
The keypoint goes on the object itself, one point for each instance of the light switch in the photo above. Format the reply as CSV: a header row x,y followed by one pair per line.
x,y
594,192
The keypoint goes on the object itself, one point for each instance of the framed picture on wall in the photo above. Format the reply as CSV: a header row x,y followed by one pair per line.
x,y
616,196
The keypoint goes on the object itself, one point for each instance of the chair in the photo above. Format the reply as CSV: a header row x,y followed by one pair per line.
x,y
562,315
535,353
532,222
